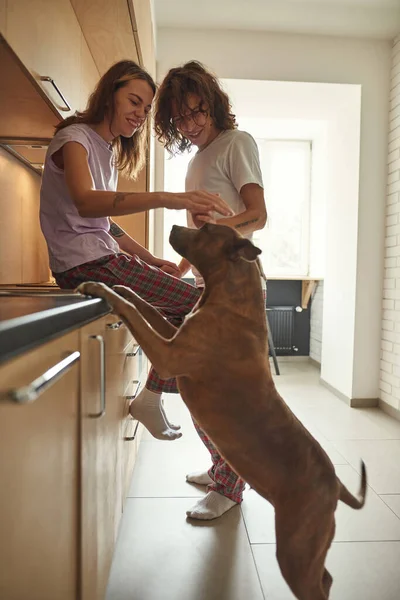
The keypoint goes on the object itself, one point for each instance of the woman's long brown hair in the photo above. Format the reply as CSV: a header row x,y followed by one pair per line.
x,y
192,78
130,153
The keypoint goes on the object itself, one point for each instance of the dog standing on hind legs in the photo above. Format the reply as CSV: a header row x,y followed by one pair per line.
x,y
220,359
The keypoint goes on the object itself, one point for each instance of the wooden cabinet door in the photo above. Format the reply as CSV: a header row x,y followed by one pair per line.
x,y
39,475
132,430
142,15
89,75
127,368
135,225
100,476
46,36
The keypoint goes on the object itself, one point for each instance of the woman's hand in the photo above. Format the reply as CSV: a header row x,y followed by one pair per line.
x,y
166,266
200,218
198,202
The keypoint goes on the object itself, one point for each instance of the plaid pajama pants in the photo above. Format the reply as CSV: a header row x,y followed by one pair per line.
x,y
225,481
171,296
174,299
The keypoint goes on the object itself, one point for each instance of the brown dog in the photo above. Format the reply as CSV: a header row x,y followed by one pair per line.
x,y
220,358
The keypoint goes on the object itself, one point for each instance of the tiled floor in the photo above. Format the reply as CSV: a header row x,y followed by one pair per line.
x,y
162,556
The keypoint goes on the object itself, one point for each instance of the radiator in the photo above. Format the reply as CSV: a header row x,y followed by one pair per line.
x,y
281,324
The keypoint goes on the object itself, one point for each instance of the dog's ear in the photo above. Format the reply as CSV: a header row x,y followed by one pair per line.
x,y
243,248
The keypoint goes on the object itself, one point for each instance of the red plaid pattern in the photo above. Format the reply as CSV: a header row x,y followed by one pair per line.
x,y
226,482
171,296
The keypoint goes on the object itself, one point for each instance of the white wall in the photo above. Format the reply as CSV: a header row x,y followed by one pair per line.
x,y
302,111
279,57
317,306
390,342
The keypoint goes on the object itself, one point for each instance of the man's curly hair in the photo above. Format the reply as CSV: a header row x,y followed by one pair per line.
x,y
192,78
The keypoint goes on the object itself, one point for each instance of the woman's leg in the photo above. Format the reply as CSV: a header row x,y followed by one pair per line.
x,y
171,296
225,488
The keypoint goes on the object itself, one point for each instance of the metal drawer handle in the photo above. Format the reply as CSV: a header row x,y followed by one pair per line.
x,y
59,92
137,348
136,390
115,325
128,438
30,393
102,412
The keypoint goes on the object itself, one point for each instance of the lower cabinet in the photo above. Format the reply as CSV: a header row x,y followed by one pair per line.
x,y
67,452
39,475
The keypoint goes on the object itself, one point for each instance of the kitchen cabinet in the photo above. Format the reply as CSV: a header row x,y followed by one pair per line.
x,y
108,31
127,367
39,478
100,480
66,461
109,361
136,225
2,15
89,75
141,12
47,37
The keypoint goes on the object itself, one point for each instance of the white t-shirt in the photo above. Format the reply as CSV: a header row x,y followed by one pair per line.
x,y
224,167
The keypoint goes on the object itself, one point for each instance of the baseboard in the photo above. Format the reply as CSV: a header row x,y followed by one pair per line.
x,y
389,410
364,402
352,402
292,358
314,362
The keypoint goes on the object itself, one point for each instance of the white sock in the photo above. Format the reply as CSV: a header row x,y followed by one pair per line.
x,y
168,422
146,409
199,477
213,505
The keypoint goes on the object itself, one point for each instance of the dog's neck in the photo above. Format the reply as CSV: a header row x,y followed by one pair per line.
x,y
239,279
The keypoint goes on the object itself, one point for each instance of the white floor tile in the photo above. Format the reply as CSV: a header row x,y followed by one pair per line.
x,y
361,571
382,459
161,469
375,522
162,556
393,501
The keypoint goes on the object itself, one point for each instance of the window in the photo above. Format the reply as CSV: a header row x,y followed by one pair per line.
x,y
175,168
286,170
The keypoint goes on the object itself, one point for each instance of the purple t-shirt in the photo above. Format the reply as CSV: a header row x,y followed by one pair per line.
x,y
71,239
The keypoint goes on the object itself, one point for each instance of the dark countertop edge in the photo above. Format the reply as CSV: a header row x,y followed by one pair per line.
x,y
25,333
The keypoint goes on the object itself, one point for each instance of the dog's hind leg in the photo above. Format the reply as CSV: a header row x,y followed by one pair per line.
x,y
302,545
327,581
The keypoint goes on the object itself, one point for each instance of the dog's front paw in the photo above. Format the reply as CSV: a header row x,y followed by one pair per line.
x,y
122,290
93,288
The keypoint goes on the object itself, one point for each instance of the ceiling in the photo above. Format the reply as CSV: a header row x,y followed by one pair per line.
x,y
378,19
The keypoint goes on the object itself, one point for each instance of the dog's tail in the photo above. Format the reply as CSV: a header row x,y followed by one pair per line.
x,y
348,498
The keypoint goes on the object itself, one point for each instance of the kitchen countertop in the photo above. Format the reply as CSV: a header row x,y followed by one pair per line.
x,y
29,320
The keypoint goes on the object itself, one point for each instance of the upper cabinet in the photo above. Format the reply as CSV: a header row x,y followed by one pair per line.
x,y
46,36
64,46
143,26
2,15
107,27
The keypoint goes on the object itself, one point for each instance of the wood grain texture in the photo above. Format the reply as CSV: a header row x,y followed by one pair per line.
x,y
107,29
46,36
38,471
23,250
